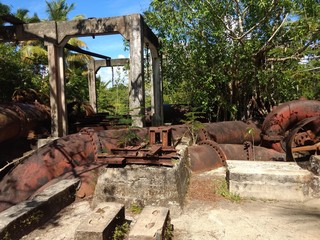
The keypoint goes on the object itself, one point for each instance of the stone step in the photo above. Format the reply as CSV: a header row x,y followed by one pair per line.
x,y
26,216
152,223
270,180
101,224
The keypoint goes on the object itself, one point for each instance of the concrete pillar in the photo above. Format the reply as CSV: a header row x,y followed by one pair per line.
x,y
59,119
136,74
156,83
92,85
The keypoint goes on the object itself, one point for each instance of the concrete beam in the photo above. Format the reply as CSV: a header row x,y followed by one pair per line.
x,y
136,74
58,105
57,32
114,63
92,85
156,83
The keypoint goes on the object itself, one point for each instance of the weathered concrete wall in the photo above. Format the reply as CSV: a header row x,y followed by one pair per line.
x,y
144,185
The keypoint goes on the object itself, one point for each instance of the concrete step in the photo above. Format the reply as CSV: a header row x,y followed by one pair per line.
x,y
270,180
101,224
152,223
26,216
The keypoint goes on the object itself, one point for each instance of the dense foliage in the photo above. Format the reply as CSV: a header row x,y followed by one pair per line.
x,y
24,65
238,58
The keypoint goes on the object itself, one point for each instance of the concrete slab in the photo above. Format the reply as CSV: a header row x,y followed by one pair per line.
x,y
151,224
26,216
270,180
100,225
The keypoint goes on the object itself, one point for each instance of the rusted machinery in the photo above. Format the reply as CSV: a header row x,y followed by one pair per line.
x,y
292,127
79,155
223,141
285,117
290,132
18,119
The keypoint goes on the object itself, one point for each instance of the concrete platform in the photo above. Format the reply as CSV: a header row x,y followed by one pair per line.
x,y
271,180
26,216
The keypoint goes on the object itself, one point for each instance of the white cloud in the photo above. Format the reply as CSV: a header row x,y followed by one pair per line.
x,y
117,76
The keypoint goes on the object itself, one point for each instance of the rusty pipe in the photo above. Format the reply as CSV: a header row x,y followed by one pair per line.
x,y
18,119
209,155
233,132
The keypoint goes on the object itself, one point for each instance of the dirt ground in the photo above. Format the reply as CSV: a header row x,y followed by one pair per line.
x,y
207,215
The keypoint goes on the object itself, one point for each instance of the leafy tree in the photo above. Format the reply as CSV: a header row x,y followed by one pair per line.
x,y
237,58
14,73
4,9
76,64
58,10
115,98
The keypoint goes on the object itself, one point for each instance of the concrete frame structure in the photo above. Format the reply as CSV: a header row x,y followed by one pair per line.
x,y
56,35
93,68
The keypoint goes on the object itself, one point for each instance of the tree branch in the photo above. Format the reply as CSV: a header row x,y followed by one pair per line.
x,y
232,33
262,49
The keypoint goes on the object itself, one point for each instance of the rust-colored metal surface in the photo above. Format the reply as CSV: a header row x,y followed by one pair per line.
x,y
245,152
206,156
285,117
18,119
303,140
232,132
83,153
54,160
209,155
78,154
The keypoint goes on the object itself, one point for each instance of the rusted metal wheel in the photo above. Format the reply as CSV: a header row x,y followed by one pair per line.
x,y
303,140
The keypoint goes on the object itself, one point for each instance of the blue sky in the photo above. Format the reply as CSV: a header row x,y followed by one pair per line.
x,y
111,45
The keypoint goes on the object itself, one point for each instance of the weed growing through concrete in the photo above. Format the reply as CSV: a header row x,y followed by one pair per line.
x,y
250,131
221,189
168,231
136,208
121,231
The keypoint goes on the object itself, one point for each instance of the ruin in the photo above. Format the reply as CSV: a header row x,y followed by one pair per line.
x,y
56,35
150,166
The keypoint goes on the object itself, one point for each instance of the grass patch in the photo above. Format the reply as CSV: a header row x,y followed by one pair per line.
x,y
136,208
121,231
221,189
